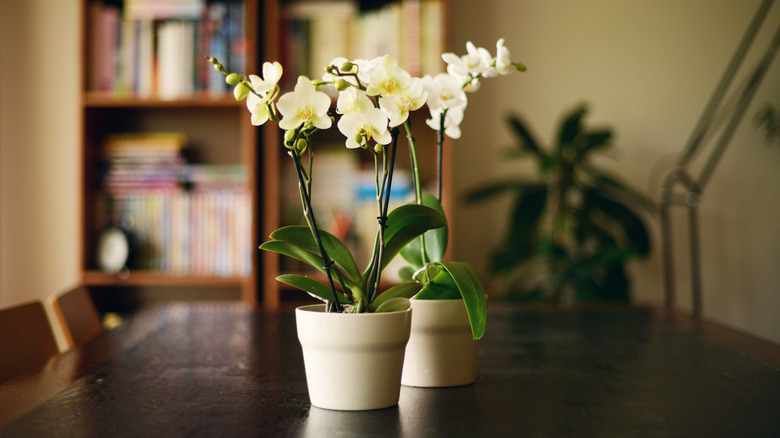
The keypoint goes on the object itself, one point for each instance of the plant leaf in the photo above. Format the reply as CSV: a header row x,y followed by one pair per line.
x,y
404,224
435,239
441,287
312,287
302,237
403,290
498,187
469,285
609,182
527,140
524,224
291,250
594,140
571,126
396,304
631,224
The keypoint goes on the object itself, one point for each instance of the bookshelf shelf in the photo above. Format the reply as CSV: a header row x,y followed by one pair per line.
x,y
108,100
144,278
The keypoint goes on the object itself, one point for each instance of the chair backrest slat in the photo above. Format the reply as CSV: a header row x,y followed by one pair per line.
x,y
77,315
26,339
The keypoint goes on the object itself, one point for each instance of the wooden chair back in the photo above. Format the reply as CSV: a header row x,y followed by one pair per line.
x,y
26,339
77,316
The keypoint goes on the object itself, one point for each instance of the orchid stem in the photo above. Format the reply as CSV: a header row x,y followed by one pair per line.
x,y
327,264
439,148
383,207
414,161
417,184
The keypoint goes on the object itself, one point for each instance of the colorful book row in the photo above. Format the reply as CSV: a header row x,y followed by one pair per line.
x,y
187,233
158,49
316,32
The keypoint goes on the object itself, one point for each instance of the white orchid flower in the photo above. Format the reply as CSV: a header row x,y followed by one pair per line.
x,y
397,106
503,65
258,101
388,79
304,106
444,91
271,75
477,61
451,121
351,100
362,126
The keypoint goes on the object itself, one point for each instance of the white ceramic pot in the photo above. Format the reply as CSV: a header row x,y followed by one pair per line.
x,y
441,350
353,361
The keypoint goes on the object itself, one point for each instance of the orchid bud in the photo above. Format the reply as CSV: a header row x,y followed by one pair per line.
x,y
331,69
378,148
289,136
241,91
347,67
301,144
341,84
233,78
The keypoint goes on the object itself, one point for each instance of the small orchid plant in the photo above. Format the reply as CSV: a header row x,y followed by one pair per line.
x,y
375,98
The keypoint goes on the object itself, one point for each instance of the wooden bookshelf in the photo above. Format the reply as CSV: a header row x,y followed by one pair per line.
x,y
216,126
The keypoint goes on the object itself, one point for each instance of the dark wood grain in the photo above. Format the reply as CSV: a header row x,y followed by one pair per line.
x,y
226,370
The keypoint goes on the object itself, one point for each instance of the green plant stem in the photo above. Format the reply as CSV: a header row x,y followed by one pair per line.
x,y
416,178
439,152
384,201
327,264
414,162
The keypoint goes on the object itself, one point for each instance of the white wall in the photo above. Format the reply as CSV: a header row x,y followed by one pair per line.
x,y
647,68
38,148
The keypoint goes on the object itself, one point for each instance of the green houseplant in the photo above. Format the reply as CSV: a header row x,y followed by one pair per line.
x,y
374,98
573,227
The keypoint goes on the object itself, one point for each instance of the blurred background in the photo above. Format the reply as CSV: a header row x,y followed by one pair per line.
x,y
647,69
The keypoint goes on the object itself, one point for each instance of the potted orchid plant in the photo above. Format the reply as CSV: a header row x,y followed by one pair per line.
x,y
374,100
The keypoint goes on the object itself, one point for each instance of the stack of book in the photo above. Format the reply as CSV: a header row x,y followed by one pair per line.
x,y
158,48
143,162
185,219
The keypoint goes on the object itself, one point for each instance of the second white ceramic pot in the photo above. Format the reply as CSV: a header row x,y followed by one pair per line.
x,y
441,350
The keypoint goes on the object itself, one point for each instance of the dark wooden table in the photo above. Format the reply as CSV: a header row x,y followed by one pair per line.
x,y
224,370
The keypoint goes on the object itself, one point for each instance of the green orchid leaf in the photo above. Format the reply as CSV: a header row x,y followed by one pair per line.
x,y
294,251
397,304
412,253
469,285
441,287
406,273
404,224
312,287
403,290
435,239
301,236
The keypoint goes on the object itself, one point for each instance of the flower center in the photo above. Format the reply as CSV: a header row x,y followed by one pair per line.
x,y
390,86
305,113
